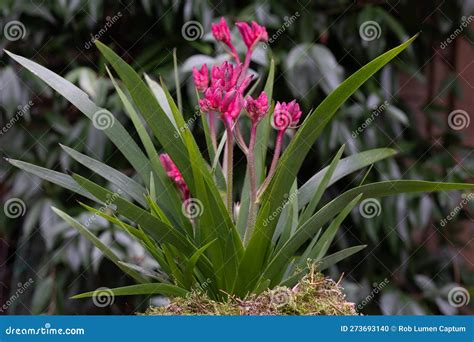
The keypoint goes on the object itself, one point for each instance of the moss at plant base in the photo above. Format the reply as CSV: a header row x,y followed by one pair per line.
x,y
313,295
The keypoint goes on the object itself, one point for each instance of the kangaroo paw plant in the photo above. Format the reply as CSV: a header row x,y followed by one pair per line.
x,y
181,204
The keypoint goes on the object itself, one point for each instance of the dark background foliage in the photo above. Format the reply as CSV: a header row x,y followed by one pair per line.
x,y
412,260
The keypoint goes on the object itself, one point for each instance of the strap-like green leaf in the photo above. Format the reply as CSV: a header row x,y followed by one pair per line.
x,y
326,239
338,256
345,167
157,229
323,264
313,203
124,183
54,177
167,195
326,213
115,132
292,159
99,244
155,117
141,289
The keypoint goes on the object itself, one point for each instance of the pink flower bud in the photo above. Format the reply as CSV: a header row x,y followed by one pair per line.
x,y
257,108
252,34
173,173
286,115
226,75
201,78
221,31
231,107
212,99
295,112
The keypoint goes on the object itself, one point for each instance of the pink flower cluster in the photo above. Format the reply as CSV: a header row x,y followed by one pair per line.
x,y
175,175
223,93
228,82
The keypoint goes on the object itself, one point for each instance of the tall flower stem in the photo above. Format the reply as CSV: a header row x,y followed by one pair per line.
x,y
212,128
240,140
234,53
276,157
246,65
253,185
229,167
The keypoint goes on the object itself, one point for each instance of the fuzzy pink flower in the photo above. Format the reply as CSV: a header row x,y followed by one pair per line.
x,y
295,112
257,108
201,78
221,31
225,75
175,175
231,106
286,115
252,34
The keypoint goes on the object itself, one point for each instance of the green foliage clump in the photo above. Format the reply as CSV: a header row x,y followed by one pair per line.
x,y
313,295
